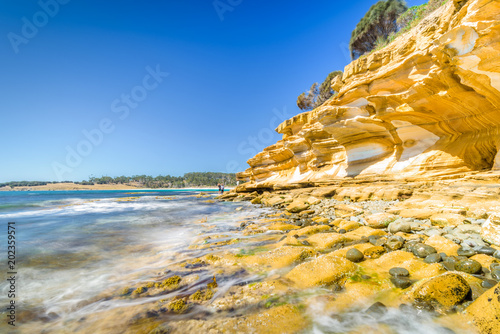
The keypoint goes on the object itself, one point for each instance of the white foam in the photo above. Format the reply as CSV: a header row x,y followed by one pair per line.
x,y
400,322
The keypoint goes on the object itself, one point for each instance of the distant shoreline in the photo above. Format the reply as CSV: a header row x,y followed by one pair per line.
x,y
72,186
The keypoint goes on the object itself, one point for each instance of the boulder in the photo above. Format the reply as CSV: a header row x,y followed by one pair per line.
x,y
346,210
349,226
323,241
485,311
380,220
447,219
297,206
280,257
324,270
374,252
490,230
399,226
363,231
443,245
447,290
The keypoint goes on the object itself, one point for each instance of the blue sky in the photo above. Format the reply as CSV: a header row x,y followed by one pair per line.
x,y
157,87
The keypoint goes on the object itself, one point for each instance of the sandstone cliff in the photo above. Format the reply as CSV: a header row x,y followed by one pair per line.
x,y
426,105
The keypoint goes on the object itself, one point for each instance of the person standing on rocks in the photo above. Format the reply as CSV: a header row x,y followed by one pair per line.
x,y
222,189
220,186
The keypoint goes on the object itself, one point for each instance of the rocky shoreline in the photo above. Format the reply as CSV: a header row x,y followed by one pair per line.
x,y
415,257
432,245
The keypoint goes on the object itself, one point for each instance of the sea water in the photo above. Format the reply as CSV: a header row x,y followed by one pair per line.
x,y
74,247
71,246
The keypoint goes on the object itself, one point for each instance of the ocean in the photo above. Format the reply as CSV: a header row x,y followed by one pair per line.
x,y
74,246
77,251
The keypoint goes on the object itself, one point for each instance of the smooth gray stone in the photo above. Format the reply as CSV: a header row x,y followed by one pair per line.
x,y
354,255
496,274
468,266
486,250
433,258
422,250
401,282
468,252
488,283
399,272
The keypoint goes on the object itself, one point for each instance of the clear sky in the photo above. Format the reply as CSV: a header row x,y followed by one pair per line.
x,y
157,87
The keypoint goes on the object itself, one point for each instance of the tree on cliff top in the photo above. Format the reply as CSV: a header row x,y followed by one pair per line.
x,y
317,94
377,24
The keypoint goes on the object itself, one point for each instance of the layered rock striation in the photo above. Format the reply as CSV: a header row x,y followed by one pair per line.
x,y
426,105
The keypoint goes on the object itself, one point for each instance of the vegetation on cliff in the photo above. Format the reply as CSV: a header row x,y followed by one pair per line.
x,y
317,94
408,20
385,21
377,24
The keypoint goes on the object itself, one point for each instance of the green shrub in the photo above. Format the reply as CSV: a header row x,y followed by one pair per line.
x,y
409,19
317,94
378,23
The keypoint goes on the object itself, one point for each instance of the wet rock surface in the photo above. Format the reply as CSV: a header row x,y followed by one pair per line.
x,y
354,255
468,266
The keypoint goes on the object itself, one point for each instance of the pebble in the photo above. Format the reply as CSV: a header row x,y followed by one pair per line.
x,y
376,309
381,241
496,254
452,238
488,283
495,273
433,231
475,242
394,244
422,250
373,239
306,243
468,266
401,282
468,252
486,250
466,228
433,258
342,231
399,272
406,308
399,226
449,263
354,255
494,266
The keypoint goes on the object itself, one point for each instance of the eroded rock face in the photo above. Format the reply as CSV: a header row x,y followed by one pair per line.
x,y
485,310
428,104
